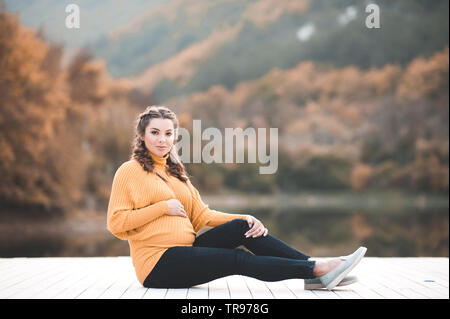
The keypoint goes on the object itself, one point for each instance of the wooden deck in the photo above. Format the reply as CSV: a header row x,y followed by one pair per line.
x,y
114,277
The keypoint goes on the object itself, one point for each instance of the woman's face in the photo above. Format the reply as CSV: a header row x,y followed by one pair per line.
x,y
159,136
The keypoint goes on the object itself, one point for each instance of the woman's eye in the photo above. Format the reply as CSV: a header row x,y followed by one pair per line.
x,y
169,134
154,132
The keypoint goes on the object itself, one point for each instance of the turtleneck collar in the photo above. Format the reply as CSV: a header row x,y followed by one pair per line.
x,y
159,161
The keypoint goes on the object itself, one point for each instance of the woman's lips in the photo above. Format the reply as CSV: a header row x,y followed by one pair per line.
x,y
161,147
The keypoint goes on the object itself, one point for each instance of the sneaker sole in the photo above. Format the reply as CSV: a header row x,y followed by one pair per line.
x,y
320,286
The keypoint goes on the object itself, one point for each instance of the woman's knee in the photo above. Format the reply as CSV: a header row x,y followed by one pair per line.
x,y
240,224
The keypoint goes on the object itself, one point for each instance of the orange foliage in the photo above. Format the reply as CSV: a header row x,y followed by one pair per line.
x,y
47,118
332,111
263,12
360,175
361,229
425,78
33,103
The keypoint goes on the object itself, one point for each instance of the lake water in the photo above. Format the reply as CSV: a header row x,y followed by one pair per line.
x,y
318,226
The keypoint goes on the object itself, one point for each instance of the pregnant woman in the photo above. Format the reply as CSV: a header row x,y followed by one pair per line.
x,y
154,206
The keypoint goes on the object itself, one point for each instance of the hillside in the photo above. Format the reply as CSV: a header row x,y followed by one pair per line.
x,y
339,127
178,48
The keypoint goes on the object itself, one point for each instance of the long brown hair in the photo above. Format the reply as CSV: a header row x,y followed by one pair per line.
x,y
140,151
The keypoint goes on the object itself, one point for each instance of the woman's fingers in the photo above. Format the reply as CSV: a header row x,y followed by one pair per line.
x,y
252,232
249,232
176,208
181,210
250,221
256,230
260,232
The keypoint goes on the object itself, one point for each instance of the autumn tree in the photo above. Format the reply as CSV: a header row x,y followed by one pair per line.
x,y
40,153
53,121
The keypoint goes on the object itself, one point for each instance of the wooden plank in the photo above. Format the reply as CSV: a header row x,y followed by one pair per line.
x,y
218,289
347,293
238,288
386,291
105,278
30,279
155,293
395,282
79,287
198,292
365,292
176,293
135,291
297,288
280,290
58,289
325,294
373,277
23,271
38,289
403,281
126,277
258,289
116,290
423,272
438,267
9,264
114,277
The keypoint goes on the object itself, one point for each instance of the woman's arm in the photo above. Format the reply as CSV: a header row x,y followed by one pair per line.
x,y
121,217
203,216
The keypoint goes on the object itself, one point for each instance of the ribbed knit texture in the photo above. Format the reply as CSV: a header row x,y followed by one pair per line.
x,y
138,212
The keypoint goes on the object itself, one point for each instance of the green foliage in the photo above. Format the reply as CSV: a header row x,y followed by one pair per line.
x,y
161,37
324,173
247,178
316,173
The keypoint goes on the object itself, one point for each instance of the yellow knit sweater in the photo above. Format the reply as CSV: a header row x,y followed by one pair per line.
x,y
138,212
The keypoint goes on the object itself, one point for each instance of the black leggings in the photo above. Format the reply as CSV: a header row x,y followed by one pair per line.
x,y
213,255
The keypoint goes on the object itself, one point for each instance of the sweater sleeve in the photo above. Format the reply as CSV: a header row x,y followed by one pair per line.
x,y
122,218
202,215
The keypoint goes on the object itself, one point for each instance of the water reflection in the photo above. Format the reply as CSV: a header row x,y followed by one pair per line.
x,y
331,233
317,232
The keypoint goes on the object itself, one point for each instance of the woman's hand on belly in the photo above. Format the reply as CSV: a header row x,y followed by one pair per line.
x,y
176,208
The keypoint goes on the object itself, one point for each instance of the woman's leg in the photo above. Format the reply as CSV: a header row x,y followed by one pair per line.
x,y
183,267
231,235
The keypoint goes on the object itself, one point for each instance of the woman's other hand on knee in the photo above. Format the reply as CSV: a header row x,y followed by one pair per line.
x,y
257,228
